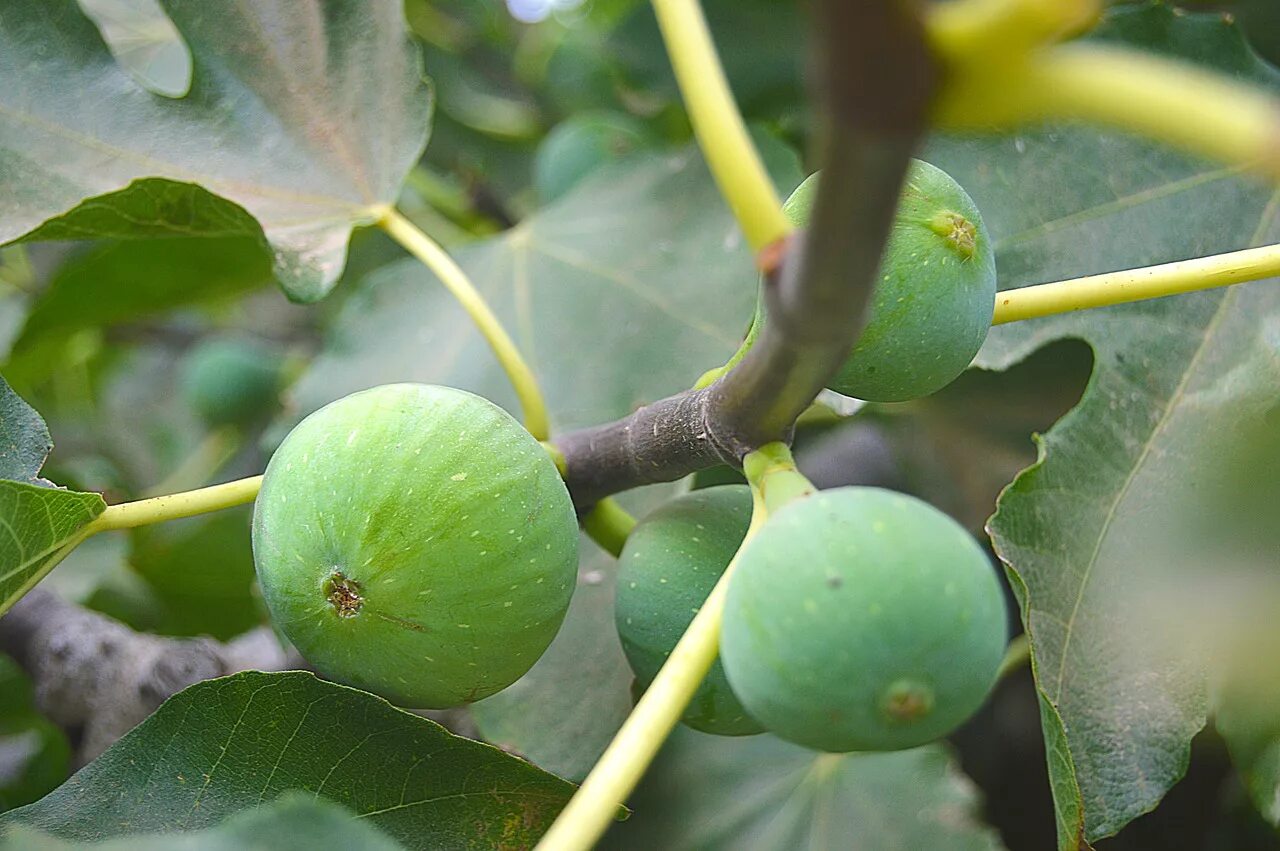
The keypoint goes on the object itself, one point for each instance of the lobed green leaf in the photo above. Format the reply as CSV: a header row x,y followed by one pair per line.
x,y
307,115
759,793
228,744
1087,532
622,292
294,821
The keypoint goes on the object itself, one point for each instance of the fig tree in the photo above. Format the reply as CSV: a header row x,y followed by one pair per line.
x,y
862,619
932,305
228,381
669,565
417,542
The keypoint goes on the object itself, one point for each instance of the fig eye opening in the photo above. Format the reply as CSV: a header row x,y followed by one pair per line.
x,y
343,594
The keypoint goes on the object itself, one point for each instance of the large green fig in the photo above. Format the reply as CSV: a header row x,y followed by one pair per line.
x,y
228,381
669,565
931,309
417,542
580,145
862,619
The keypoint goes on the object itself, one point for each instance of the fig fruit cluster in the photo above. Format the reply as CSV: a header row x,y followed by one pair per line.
x,y
418,542
856,619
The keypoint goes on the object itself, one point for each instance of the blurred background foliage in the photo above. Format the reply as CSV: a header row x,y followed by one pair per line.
x,y
533,98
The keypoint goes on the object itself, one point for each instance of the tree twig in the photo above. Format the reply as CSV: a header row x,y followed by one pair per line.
x,y
95,675
877,83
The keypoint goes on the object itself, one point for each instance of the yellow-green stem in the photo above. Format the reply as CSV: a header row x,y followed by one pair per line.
x,y
1184,276
459,285
1175,102
775,481
173,506
1017,654
733,159
608,524
987,31
588,814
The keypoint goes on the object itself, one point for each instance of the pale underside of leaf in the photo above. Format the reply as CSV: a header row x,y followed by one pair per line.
x,y
307,114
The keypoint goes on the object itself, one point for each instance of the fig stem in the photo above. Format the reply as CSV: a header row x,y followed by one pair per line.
x,y
1202,112
771,472
435,258
608,524
988,31
127,515
1184,276
588,814
722,135
1017,654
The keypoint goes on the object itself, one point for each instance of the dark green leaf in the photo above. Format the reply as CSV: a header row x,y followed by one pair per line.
x,y
294,822
759,794
1083,529
125,281
231,743
623,292
202,575
152,208
37,520
24,438
307,115
36,523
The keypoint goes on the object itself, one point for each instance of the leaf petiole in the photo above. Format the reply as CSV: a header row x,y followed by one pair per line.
x,y
988,31
721,133
619,769
459,285
1183,276
608,524
174,506
1200,111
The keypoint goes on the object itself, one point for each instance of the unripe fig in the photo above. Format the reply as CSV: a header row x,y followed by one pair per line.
x,y
862,619
669,565
232,382
932,305
417,542
579,145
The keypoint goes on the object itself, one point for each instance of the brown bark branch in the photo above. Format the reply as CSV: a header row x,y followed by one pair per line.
x,y
94,674
876,81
